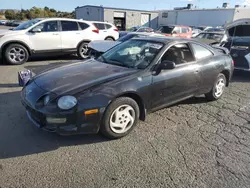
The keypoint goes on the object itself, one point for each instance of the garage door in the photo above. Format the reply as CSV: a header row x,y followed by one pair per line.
x,y
145,19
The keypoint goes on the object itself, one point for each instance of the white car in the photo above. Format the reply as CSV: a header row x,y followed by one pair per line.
x,y
44,36
107,30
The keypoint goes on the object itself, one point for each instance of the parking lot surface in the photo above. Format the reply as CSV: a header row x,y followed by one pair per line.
x,y
192,144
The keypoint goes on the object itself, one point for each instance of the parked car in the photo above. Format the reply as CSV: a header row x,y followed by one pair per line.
x,y
136,29
98,47
9,23
175,31
110,94
16,23
2,22
195,32
107,31
46,36
238,43
212,38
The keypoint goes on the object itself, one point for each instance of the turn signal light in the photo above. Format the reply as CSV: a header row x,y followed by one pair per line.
x,y
93,111
95,31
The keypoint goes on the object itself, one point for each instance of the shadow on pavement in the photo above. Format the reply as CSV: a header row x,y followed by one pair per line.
x,y
19,137
241,76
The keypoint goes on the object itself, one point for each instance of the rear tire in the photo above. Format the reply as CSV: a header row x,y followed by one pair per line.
x,y
109,38
120,118
83,51
218,88
16,54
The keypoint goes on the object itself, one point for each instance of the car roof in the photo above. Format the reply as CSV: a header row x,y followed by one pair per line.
x,y
162,39
100,22
64,19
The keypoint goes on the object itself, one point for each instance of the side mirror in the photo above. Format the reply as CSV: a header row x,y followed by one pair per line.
x,y
166,65
36,30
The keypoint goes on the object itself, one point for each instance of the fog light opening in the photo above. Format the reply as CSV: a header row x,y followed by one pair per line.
x,y
56,120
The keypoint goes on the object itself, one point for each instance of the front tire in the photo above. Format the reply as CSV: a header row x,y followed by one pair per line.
x,y
120,118
83,51
109,38
16,54
218,88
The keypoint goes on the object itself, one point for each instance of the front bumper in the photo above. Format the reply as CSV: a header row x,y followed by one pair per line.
x,y
77,122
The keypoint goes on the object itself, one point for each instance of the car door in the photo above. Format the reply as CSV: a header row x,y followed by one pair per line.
x,y
208,66
181,82
70,35
45,37
103,33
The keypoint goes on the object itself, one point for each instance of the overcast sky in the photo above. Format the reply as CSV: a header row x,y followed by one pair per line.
x,y
69,5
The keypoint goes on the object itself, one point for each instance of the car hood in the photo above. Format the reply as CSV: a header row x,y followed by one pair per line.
x,y
7,32
80,76
102,45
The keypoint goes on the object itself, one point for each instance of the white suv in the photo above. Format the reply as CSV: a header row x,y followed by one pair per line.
x,y
107,30
43,36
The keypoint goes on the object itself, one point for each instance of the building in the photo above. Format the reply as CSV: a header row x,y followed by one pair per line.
x,y
122,18
203,17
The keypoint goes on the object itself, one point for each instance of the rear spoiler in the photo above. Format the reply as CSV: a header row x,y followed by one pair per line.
x,y
221,49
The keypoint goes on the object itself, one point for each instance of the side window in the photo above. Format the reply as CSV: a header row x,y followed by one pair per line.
x,y
69,26
179,54
201,52
184,30
108,26
83,25
50,26
177,30
100,26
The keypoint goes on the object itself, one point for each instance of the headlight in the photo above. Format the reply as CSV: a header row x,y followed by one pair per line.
x,y
67,102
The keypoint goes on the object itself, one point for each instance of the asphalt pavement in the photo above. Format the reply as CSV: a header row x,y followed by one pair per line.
x,y
196,144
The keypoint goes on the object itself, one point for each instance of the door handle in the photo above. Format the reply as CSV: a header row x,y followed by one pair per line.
x,y
196,70
55,34
78,33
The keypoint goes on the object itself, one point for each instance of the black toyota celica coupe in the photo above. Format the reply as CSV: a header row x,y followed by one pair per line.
x,y
110,94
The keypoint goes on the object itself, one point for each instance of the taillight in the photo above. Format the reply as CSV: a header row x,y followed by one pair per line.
x,y
233,62
95,30
116,30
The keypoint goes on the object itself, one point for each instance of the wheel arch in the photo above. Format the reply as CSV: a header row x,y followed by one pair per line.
x,y
227,75
109,37
138,100
85,40
6,44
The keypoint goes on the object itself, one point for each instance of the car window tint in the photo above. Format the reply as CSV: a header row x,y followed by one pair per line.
x,y
100,26
201,52
83,25
184,30
50,26
69,26
179,54
108,26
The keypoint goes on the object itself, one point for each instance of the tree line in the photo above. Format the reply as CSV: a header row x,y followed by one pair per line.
x,y
36,12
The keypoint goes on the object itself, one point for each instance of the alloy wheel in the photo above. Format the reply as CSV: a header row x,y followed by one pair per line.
x,y
219,87
17,54
122,119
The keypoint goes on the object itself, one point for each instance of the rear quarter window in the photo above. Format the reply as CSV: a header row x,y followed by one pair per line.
x,y
108,26
83,26
201,52
100,26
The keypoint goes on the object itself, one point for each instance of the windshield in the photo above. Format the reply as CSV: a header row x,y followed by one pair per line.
x,y
210,36
27,24
132,54
165,29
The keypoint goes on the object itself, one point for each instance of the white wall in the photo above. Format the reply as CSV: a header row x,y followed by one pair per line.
x,y
90,13
241,13
213,17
